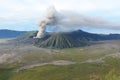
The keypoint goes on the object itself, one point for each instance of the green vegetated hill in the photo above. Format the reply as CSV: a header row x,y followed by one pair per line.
x,y
4,33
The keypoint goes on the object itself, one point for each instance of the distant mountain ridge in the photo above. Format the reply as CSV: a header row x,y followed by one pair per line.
x,y
5,33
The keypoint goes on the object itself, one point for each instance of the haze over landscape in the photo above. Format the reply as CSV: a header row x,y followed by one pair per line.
x,y
59,40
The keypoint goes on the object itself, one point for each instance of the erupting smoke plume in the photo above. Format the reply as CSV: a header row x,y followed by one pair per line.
x,y
49,19
69,20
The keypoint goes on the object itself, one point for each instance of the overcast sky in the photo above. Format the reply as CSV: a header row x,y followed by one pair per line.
x,y
22,14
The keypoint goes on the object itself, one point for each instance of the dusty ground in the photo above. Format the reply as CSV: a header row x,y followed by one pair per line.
x,y
10,51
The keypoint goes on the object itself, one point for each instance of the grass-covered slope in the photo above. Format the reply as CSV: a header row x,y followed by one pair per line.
x,y
70,72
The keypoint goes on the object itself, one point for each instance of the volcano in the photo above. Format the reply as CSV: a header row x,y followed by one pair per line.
x,y
62,40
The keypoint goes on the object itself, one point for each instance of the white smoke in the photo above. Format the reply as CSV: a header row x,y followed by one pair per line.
x,y
69,19
49,19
